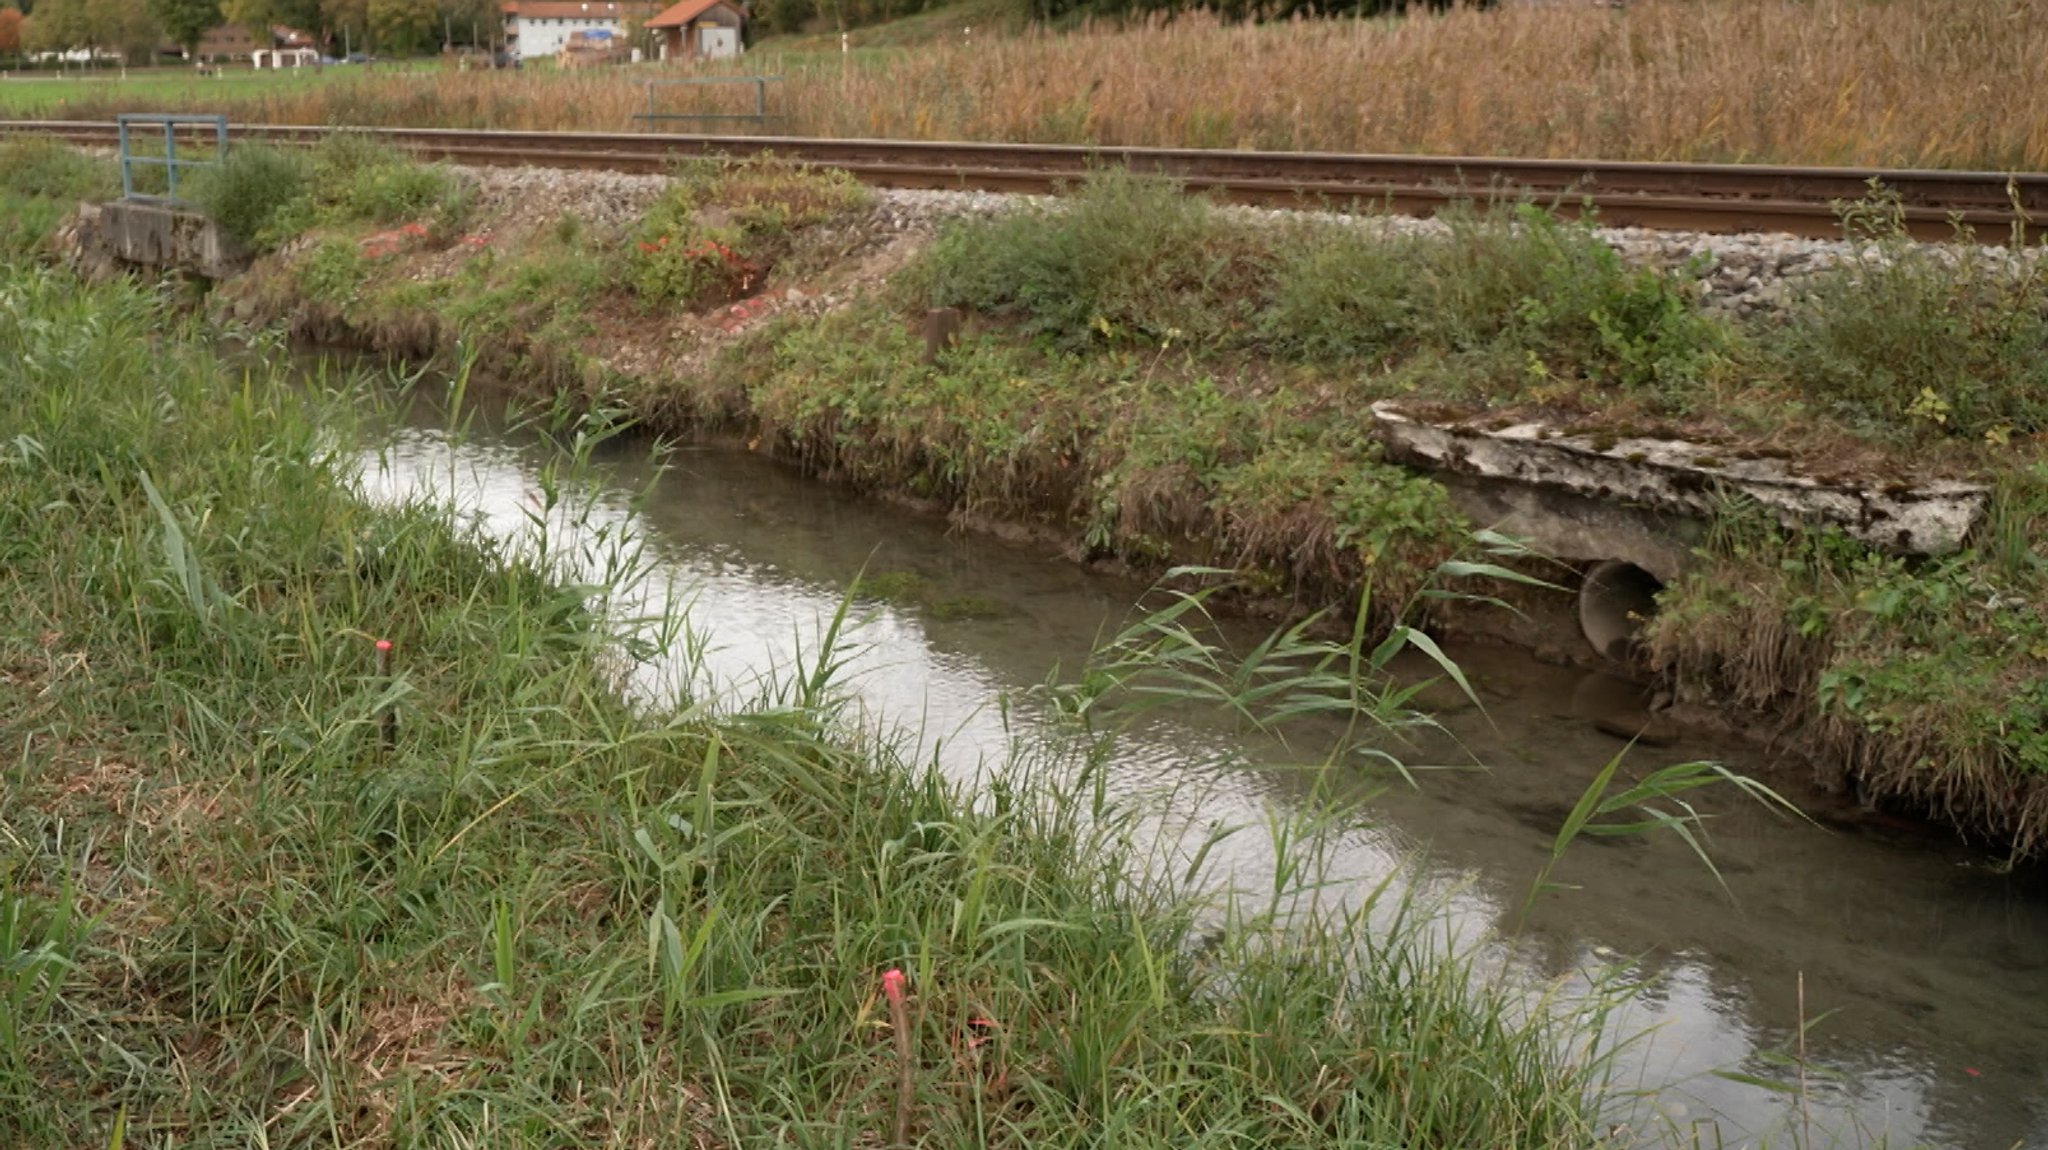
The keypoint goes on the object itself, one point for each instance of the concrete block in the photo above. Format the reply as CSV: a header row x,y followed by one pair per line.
x,y
1674,477
161,236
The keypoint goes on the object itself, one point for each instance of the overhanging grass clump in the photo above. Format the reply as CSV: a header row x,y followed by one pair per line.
x,y
250,188
1131,259
41,181
719,229
265,196
1910,342
235,909
1923,684
1146,458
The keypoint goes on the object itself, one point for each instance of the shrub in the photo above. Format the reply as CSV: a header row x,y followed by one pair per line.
x,y
40,181
333,272
250,190
1921,340
1125,256
701,269
360,178
339,156
1554,290
1337,293
719,228
764,196
394,193
1131,257
56,171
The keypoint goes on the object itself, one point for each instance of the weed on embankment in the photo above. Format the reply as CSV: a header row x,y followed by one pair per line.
x,y
42,181
1161,381
257,887
264,196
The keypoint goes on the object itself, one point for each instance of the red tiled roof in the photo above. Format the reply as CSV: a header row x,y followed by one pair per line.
x,y
680,15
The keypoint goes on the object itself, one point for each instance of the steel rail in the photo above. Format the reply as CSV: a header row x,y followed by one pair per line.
x,y
1724,198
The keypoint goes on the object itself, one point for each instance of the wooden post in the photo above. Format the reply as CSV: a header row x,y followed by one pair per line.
x,y
941,331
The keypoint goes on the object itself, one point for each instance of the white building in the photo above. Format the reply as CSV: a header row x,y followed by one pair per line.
x,y
535,29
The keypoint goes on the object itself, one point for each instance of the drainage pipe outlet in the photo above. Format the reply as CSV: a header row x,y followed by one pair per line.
x,y
1615,600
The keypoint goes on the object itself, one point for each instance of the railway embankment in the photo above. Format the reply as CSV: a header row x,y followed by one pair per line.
x,y
1148,379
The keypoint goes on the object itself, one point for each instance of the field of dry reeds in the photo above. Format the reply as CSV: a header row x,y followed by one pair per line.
x,y
1929,83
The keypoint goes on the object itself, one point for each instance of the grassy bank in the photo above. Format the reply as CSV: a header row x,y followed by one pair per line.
x,y
1156,381
253,889
1915,83
40,183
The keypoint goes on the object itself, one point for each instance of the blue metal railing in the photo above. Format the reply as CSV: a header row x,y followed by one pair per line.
x,y
170,161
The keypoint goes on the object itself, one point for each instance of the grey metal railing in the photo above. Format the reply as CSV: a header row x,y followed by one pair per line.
x,y
170,161
759,115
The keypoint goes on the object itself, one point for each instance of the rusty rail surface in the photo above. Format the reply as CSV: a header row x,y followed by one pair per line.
x,y
1726,198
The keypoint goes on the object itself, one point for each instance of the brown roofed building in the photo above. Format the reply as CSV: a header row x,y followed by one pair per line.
x,y
234,42
699,29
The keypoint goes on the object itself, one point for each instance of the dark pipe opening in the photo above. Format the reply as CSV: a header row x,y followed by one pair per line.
x,y
1615,600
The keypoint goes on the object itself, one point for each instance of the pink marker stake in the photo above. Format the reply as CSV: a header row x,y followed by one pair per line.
x,y
893,985
384,673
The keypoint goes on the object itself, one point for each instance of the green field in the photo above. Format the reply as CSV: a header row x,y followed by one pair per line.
x,y
37,94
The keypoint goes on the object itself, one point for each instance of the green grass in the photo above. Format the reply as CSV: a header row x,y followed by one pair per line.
x,y
33,95
40,182
253,888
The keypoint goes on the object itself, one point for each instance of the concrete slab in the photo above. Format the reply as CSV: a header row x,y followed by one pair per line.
x,y
1674,477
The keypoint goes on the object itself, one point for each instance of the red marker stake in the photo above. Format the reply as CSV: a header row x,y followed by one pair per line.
x,y
893,984
384,673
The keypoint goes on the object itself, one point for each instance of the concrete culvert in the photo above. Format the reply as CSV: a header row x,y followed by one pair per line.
x,y
1615,600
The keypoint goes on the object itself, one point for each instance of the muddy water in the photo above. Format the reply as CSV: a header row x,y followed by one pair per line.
x,y
1926,970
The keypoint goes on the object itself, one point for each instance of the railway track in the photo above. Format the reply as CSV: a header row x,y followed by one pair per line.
x,y
1692,197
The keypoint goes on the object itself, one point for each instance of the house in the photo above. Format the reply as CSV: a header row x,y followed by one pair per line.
x,y
538,28
698,29
285,57
235,42
226,42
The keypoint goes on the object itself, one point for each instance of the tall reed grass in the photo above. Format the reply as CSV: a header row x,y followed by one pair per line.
x,y
1930,83
262,885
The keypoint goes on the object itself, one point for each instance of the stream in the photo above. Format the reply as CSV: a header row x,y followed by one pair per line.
x,y
1923,968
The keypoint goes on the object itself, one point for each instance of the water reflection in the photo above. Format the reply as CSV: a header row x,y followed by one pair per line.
x,y
1932,966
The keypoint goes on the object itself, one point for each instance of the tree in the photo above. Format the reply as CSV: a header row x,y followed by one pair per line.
x,y
185,21
255,15
349,18
123,26
633,31
109,25
56,26
10,31
469,21
300,16
402,27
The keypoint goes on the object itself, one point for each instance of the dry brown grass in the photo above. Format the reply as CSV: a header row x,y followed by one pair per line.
x,y
1935,83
